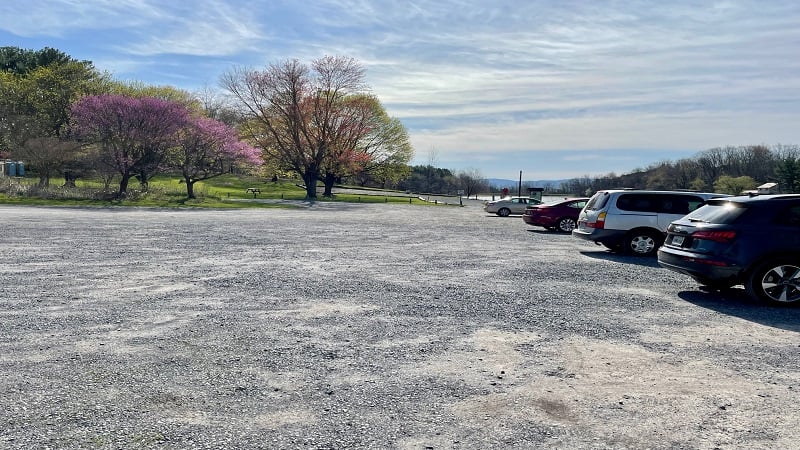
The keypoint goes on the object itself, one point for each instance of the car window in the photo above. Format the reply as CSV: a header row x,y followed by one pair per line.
x,y
695,202
659,203
680,204
578,205
718,211
638,202
598,201
789,216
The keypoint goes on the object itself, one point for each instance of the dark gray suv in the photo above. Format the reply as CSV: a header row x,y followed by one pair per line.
x,y
749,240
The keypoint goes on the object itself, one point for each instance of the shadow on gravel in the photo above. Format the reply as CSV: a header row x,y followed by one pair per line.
x,y
328,205
624,259
735,302
543,231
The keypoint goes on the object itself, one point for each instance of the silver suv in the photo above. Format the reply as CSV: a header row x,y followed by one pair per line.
x,y
635,221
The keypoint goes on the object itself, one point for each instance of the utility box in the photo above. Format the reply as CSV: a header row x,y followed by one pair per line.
x,y
535,192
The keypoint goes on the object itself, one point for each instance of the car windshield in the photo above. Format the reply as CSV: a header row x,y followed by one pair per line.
x,y
717,211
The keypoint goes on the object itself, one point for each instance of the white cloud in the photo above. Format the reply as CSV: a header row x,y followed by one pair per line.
x,y
640,132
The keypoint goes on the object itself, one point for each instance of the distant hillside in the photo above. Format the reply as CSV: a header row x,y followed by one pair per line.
x,y
504,183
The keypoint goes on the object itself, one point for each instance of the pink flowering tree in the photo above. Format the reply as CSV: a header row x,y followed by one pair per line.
x,y
132,135
207,148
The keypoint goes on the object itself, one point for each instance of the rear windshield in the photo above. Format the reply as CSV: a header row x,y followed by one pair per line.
x,y
598,201
718,211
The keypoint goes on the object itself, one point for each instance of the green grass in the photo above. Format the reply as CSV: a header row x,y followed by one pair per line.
x,y
226,191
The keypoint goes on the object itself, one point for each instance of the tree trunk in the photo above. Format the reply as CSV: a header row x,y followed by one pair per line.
x,y
69,179
123,185
144,178
190,188
328,181
310,179
44,181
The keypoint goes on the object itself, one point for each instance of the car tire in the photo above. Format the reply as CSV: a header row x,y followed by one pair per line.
x,y
776,282
566,224
642,243
503,212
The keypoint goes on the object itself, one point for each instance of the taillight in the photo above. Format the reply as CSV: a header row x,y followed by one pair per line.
x,y
723,237
599,223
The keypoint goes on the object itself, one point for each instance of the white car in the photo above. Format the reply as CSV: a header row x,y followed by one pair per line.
x,y
635,221
510,205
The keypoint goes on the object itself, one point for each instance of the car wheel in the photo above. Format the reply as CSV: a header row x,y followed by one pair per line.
x,y
642,243
566,224
503,212
776,282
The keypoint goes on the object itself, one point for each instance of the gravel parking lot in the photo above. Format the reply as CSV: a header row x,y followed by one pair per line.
x,y
336,326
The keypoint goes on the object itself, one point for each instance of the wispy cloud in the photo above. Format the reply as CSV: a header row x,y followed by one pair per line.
x,y
60,17
208,28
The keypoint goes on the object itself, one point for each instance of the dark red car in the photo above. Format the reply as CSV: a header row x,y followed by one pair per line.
x,y
560,215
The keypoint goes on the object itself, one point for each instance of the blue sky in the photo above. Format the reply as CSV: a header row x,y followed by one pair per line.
x,y
555,89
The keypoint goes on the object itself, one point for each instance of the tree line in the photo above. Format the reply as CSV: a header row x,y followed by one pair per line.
x,y
730,169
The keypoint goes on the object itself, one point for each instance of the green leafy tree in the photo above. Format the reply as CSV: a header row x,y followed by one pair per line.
x,y
698,184
21,61
137,89
367,141
429,179
36,91
787,173
734,185
389,148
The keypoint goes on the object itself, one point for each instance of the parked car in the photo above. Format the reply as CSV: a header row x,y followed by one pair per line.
x,y
510,205
749,240
561,215
634,221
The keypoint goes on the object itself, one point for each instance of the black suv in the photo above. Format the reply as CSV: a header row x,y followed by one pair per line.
x,y
749,240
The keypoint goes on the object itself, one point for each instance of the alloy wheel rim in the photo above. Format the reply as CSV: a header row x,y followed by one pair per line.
x,y
782,283
567,225
642,244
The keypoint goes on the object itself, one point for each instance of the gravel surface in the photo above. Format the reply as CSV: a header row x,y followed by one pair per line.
x,y
338,326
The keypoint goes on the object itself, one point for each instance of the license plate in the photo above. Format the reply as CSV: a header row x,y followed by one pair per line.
x,y
677,240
